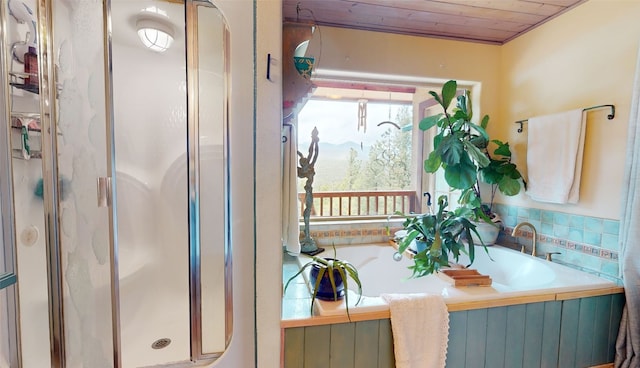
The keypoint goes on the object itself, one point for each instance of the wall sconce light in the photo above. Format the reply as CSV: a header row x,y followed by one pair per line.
x,y
155,34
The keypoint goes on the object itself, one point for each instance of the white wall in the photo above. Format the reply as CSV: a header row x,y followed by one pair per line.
x,y
586,57
268,179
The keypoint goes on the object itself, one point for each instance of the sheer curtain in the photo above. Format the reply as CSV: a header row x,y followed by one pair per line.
x,y
290,208
628,343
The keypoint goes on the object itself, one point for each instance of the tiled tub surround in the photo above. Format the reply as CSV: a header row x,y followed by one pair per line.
x,y
326,233
587,243
584,242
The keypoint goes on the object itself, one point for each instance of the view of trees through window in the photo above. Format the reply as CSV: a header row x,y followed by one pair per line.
x,y
353,158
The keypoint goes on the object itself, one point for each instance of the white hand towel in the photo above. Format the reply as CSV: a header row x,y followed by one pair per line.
x,y
411,316
290,208
554,156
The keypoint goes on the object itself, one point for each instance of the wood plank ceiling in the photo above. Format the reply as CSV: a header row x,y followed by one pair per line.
x,y
486,21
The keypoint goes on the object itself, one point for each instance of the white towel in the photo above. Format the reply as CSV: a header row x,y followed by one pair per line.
x,y
411,316
554,156
290,208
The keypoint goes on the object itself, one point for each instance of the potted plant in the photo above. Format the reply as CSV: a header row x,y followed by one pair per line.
x,y
500,174
329,279
438,236
464,151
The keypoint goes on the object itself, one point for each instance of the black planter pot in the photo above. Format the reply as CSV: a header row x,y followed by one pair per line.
x,y
325,290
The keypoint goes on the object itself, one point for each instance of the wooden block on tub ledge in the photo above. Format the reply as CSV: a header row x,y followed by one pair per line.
x,y
465,277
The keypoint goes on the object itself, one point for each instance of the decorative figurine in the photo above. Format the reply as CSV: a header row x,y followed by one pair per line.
x,y
306,170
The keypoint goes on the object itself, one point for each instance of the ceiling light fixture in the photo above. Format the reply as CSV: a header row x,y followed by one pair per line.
x,y
155,34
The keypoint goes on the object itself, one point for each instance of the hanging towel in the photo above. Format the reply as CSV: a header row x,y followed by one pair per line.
x,y
413,315
554,156
290,208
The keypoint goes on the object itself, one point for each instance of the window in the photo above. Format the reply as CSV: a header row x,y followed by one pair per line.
x,y
365,159
436,183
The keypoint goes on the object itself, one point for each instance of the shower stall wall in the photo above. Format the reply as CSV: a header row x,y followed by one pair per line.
x,y
131,98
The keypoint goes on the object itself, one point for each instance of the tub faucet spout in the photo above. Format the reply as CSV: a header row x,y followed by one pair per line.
x,y
535,235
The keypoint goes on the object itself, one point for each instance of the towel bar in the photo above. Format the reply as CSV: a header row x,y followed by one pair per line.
x,y
611,115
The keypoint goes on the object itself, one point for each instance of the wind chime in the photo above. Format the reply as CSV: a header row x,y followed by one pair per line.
x,y
362,118
362,115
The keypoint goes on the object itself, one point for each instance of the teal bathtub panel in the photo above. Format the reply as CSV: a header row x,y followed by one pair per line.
x,y
515,336
586,330
533,335
342,345
550,334
386,358
601,329
617,305
294,347
476,338
366,339
317,347
569,333
457,339
496,337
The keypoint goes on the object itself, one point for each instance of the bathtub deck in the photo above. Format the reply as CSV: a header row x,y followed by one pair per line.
x,y
296,302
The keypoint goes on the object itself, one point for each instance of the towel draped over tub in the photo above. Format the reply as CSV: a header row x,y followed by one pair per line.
x,y
420,327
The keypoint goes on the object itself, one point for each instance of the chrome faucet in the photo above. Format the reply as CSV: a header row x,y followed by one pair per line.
x,y
535,235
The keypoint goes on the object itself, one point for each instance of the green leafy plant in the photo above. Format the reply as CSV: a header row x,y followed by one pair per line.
x,y
442,233
334,271
463,150
468,157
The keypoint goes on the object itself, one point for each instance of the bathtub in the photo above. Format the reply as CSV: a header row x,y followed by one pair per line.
x,y
516,278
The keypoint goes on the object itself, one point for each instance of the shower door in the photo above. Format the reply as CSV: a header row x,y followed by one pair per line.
x,y
169,103
55,117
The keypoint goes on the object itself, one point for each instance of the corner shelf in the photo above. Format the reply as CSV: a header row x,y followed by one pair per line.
x,y
17,80
37,132
27,87
16,153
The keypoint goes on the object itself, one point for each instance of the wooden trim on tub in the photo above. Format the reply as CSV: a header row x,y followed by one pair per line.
x,y
327,320
481,304
588,293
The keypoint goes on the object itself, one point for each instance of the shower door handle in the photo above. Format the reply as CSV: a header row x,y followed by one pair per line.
x,y
104,191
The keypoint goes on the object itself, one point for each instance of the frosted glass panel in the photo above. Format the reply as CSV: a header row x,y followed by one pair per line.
x,y
84,227
213,214
24,210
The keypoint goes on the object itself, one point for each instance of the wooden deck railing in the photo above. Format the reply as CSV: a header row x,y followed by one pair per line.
x,y
361,203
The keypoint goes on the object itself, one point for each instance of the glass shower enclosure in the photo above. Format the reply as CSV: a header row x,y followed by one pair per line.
x,y
115,211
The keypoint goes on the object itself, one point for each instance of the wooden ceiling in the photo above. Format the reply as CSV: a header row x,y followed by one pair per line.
x,y
486,21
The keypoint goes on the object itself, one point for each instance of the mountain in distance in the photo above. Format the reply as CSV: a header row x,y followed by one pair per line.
x,y
332,151
332,164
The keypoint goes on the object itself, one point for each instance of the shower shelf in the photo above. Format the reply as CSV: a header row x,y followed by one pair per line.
x,y
30,115
29,129
17,80
26,87
33,154
35,133
25,115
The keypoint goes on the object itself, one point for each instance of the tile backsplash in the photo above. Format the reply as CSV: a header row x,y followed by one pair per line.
x,y
583,242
